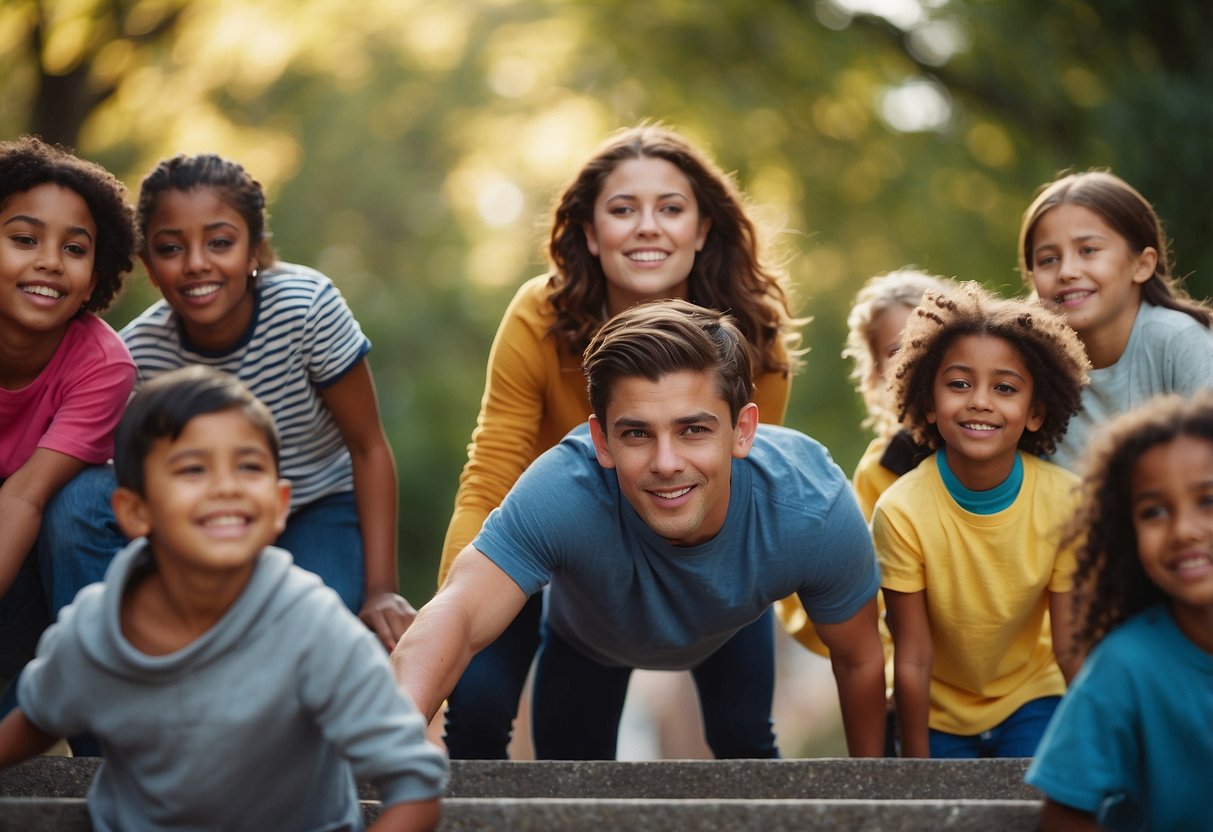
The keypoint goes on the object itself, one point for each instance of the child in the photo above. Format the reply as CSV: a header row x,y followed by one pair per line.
x,y
969,541
1093,246
874,327
287,333
1131,746
67,238
203,633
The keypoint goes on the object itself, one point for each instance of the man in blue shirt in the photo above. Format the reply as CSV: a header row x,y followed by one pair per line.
x,y
662,531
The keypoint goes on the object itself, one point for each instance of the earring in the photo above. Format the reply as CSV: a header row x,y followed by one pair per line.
x,y
253,275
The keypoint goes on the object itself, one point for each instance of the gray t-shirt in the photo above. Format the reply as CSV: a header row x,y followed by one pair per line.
x,y
263,722
1168,352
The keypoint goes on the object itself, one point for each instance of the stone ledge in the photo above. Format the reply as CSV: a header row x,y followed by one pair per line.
x,y
850,779
568,815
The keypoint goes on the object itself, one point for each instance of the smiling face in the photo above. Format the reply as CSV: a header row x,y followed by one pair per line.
x,y
1085,268
1171,499
199,255
212,497
982,405
671,444
646,231
47,251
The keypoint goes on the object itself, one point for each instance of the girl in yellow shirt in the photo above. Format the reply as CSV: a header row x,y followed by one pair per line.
x,y
970,541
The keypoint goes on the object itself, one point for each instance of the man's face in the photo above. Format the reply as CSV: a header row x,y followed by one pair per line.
x,y
671,444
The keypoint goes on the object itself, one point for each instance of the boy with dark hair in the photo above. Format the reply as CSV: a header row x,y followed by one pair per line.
x,y
202,636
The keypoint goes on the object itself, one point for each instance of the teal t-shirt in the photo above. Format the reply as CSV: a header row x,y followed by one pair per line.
x,y
1132,741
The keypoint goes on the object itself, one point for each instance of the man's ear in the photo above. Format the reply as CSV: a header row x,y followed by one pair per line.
x,y
131,512
747,427
600,443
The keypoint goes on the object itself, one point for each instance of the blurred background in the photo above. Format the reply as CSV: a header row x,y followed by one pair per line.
x,y
411,150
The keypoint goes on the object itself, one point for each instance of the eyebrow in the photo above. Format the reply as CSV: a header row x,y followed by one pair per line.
x,y
72,230
1082,238
690,419
965,368
243,450
669,195
208,227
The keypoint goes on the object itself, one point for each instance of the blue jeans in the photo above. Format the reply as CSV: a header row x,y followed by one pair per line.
x,y
80,537
324,538
1016,736
480,710
578,702
23,617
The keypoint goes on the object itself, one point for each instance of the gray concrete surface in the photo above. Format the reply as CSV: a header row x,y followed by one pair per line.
x,y
834,779
568,815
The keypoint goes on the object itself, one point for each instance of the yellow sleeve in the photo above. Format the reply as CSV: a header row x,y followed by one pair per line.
x,y
531,399
898,548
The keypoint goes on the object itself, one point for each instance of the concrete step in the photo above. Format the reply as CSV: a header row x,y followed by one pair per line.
x,y
44,814
812,779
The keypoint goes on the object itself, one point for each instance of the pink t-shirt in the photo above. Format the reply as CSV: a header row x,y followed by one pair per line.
x,y
74,404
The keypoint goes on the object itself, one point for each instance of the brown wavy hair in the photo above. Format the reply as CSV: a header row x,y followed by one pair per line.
x,y
1050,351
729,274
1110,584
1131,215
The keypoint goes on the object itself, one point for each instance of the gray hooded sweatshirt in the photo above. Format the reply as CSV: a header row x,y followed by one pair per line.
x,y
263,722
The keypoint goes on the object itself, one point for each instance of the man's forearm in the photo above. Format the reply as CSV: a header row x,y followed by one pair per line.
x,y
431,656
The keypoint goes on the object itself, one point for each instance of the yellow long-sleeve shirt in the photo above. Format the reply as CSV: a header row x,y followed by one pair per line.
x,y
535,393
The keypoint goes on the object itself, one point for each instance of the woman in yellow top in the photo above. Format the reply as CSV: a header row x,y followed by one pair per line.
x,y
648,216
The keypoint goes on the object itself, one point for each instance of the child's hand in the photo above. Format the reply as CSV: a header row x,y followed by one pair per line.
x,y
387,615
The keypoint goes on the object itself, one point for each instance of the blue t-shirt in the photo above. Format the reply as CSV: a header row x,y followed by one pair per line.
x,y
626,597
1132,741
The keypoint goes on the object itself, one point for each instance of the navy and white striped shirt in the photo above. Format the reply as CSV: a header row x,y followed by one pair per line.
x,y
302,338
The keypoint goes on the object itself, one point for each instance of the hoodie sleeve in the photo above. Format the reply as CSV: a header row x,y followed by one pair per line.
x,y
348,686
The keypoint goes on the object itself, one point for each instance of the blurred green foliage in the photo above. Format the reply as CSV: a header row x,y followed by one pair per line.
x,y
411,149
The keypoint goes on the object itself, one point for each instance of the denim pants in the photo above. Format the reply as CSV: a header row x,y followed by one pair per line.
x,y
1016,736
578,702
80,537
480,710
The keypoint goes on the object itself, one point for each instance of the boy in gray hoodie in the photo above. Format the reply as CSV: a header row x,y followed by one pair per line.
x,y
228,688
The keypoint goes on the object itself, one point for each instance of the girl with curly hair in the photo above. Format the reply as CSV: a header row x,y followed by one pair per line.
x,y
1129,746
68,238
970,541
648,216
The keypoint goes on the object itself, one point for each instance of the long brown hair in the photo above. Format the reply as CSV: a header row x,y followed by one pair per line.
x,y
728,274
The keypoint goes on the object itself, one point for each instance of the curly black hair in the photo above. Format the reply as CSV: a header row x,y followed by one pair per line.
x,y
1110,584
1050,350
28,162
